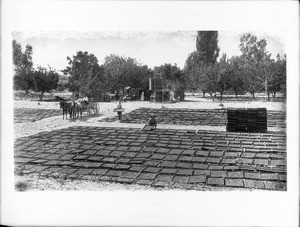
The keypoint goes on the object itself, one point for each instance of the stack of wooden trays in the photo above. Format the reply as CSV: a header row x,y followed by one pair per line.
x,y
261,119
242,120
252,120
246,120
231,120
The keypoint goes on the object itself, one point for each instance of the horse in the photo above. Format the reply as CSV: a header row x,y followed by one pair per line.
x,y
76,107
66,107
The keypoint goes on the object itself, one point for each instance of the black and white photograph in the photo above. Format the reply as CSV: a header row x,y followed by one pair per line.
x,y
209,113
173,112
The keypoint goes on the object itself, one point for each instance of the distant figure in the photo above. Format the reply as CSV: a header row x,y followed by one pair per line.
x,y
152,121
172,94
221,105
142,96
173,100
117,96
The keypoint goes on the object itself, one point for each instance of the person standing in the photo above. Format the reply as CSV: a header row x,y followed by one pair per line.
x,y
142,96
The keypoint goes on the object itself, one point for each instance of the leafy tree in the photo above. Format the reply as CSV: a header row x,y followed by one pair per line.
x,y
207,46
222,80
44,80
115,69
276,76
191,63
281,62
207,51
193,60
94,82
195,78
253,81
85,74
236,80
22,62
210,78
253,49
140,77
63,83
171,75
125,72
213,77
256,61
193,81
207,75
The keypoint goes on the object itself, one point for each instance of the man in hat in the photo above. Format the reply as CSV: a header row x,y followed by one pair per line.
x,y
152,121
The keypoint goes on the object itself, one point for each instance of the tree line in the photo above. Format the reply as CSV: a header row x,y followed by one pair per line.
x,y
85,74
253,71
40,79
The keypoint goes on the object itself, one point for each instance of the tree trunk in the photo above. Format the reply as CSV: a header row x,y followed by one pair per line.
x,y
266,89
253,96
41,97
123,92
212,97
26,93
236,94
203,94
274,94
221,93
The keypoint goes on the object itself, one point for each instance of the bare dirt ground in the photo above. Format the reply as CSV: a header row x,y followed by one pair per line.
x,y
106,110
38,183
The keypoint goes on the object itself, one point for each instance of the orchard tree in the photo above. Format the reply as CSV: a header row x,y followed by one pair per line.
x,y
213,77
236,80
85,74
281,62
22,62
190,70
253,49
277,76
196,76
193,60
257,61
254,81
192,79
44,80
210,79
124,72
140,77
171,75
94,81
207,52
222,80
115,70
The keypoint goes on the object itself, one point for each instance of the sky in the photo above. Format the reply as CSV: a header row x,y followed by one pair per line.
x,y
150,48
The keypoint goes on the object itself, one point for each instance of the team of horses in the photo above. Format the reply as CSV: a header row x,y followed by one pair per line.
x,y
75,108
